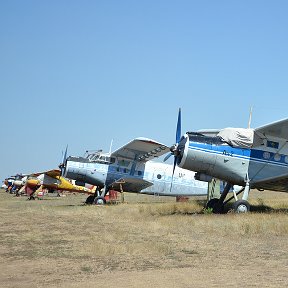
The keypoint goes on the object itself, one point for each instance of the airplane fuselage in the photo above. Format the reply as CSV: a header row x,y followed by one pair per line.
x,y
211,156
159,174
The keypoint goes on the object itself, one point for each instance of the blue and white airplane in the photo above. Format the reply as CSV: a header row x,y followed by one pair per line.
x,y
129,169
252,158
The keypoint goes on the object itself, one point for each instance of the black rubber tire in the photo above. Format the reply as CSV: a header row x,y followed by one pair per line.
x,y
100,200
215,205
90,200
241,206
212,202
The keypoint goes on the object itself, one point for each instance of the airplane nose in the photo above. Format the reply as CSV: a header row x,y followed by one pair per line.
x,y
181,149
32,182
173,149
63,163
73,169
63,167
18,183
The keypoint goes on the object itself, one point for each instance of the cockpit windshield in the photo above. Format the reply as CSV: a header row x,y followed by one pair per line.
x,y
200,138
99,157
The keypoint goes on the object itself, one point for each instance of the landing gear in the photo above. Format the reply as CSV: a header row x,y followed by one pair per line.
x,y
32,194
241,206
99,201
90,199
97,198
215,205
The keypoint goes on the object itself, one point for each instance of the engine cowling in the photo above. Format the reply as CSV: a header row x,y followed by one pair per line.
x,y
192,154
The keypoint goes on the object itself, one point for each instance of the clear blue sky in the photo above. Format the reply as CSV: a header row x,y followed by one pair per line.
x,y
84,72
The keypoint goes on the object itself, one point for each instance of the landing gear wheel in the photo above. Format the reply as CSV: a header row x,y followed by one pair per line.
x,y
241,206
215,205
99,201
212,202
90,200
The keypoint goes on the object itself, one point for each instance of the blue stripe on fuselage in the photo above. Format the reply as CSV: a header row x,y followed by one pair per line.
x,y
242,153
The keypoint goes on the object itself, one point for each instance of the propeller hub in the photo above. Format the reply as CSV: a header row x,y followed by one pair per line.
x,y
174,149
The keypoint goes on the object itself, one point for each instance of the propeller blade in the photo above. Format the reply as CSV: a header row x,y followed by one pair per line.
x,y
62,164
178,129
178,137
174,166
167,157
65,155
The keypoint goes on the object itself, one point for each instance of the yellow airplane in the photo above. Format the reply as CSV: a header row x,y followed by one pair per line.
x,y
51,180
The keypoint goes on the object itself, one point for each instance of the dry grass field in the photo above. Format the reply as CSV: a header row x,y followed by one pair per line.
x,y
147,241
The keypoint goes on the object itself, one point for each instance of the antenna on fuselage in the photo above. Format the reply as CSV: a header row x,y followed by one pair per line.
x,y
250,118
110,150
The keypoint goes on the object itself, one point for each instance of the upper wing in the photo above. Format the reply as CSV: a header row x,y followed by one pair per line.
x,y
275,129
141,149
275,184
51,173
130,184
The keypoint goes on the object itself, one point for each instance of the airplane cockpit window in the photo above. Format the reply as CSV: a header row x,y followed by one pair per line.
x,y
123,162
105,159
272,144
100,158
200,138
94,157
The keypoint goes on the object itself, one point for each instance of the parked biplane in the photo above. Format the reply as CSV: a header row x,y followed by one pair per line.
x,y
252,158
129,169
50,180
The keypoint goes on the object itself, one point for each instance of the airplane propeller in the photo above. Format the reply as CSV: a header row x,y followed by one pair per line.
x,y
62,164
173,149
